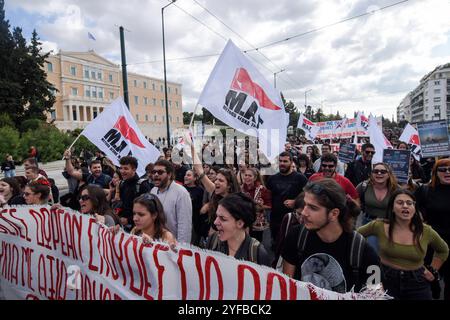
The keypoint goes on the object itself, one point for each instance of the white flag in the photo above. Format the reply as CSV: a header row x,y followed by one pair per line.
x,y
362,124
237,94
377,138
411,137
116,133
310,128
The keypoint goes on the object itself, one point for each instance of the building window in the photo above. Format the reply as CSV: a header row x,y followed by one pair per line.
x,y
137,117
170,103
87,91
145,100
162,88
94,92
154,102
95,113
168,89
437,91
53,114
438,99
146,117
162,103
176,90
436,107
178,119
135,83
86,73
136,100
436,83
49,67
145,84
163,118
110,78
111,95
99,76
155,118
93,75
74,115
73,71
426,116
153,87
100,93
74,91
176,103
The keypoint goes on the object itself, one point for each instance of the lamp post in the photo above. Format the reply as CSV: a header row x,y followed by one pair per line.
x,y
305,98
275,77
165,76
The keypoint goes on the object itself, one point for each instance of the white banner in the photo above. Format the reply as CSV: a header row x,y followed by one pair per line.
x,y
377,138
238,94
116,133
64,255
411,136
310,128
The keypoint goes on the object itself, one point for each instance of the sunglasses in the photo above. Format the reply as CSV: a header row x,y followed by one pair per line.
x,y
379,171
85,197
331,166
369,152
159,172
443,169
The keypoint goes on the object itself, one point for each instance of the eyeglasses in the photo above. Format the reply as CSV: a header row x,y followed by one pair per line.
x,y
379,171
159,172
369,152
331,166
85,197
443,169
409,203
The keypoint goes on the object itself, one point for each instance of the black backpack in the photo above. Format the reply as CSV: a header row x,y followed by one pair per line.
x,y
215,244
357,248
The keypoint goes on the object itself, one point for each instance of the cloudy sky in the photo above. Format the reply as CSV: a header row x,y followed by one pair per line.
x,y
368,63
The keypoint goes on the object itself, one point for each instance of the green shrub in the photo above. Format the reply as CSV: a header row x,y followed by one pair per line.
x,y
9,143
31,124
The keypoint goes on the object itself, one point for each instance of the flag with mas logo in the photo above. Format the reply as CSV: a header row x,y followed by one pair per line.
x,y
309,127
411,137
116,133
239,95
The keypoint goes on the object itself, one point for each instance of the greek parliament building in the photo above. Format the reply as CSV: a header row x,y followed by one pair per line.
x,y
87,83
430,100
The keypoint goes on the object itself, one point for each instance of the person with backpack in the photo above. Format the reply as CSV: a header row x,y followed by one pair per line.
x,y
235,213
404,239
374,195
325,250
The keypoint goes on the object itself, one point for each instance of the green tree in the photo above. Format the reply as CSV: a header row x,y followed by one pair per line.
x,y
187,117
9,143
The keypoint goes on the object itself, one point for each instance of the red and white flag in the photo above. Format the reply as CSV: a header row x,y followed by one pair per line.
x,y
239,95
411,137
116,134
310,128
377,138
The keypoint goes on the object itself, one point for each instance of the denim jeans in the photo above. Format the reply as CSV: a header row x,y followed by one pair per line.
x,y
371,240
406,285
10,173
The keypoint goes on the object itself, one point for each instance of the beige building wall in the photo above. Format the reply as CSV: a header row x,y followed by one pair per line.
x,y
87,83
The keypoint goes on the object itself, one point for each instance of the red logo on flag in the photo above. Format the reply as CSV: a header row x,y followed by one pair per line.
x,y
414,139
243,82
128,132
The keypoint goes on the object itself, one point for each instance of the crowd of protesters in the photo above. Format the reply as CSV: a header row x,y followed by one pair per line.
x,y
314,217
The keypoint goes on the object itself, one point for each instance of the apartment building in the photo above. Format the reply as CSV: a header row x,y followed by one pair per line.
x,y
430,100
87,83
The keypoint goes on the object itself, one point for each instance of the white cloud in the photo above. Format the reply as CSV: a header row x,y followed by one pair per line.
x,y
368,63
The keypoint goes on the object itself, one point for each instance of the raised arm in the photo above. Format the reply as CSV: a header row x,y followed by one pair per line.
x,y
69,167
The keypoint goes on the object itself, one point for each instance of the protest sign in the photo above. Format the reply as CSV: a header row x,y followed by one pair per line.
x,y
434,140
398,160
64,255
347,152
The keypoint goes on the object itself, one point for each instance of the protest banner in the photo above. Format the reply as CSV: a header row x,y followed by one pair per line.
x,y
347,152
398,160
116,133
239,95
64,255
434,140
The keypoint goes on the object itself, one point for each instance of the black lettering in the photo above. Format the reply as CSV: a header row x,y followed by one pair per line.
x,y
233,102
112,136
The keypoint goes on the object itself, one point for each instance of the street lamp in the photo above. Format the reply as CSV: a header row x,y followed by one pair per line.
x,y
165,76
305,98
275,77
